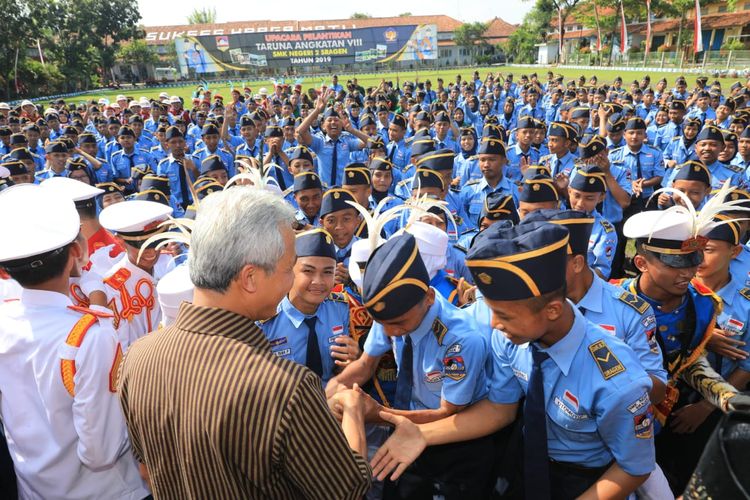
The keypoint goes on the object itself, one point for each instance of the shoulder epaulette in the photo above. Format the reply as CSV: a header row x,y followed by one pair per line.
x,y
472,182
677,138
93,312
404,182
287,191
634,301
118,152
264,321
199,150
455,189
469,231
75,339
735,168
338,297
745,292
473,157
545,158
617,150
166,158
439,330
608,227
605,359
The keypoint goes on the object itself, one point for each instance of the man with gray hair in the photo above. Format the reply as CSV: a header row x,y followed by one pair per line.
x,y
211,411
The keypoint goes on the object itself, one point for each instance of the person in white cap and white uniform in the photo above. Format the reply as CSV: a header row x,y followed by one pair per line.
x,y
58,363
131,285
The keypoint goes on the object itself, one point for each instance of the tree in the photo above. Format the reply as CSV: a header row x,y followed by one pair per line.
x,y
137,52
521,45
405,14
202,16
88,34
23,23
469,36
360,15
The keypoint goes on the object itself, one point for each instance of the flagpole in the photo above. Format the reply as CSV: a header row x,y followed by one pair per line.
x,y
623,30
648,32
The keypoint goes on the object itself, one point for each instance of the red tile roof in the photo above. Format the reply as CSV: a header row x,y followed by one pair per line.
x,y
499,30
161,34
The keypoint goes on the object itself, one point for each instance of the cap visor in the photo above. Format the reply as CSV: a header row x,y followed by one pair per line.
x,y
680,261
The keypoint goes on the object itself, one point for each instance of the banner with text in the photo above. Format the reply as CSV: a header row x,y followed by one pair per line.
x,y
240,52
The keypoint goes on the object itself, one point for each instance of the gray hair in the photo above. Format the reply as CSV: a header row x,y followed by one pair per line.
x,y
235,228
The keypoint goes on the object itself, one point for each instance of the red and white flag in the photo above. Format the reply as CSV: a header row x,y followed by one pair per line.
x,y
697,29
648,26
624,29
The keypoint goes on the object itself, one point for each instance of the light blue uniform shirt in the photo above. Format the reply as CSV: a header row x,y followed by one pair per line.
x,y
602,245
449,358
226,158
514,155
734,319
652,164
323,146
474,193
627,317
677,150
611,210
122,163
740,266
287,332
466,168
557,165
170,169
596,397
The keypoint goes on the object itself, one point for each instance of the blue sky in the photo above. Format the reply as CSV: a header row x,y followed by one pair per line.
x,y
166,12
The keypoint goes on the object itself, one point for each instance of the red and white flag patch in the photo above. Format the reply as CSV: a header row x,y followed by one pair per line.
x,y
570,399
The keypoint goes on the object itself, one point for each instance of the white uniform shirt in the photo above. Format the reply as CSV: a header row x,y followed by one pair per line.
x,y
136,305
62,446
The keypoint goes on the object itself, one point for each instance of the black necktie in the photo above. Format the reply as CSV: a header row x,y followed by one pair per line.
x,y
184,190
639,172
404,379
279,174
132,163
334,162
536,458
392,152
313,351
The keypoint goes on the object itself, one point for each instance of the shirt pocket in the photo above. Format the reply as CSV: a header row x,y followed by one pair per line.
x,y
570,421
475,207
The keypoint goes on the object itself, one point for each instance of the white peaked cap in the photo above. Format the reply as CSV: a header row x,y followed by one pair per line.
x,y
133,216
676,225
28,236
173,289
71,188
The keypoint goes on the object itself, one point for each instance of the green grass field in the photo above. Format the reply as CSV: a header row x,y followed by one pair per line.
x,y
605,76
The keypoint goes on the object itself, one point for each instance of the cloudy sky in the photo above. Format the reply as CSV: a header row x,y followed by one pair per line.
x,y
166,12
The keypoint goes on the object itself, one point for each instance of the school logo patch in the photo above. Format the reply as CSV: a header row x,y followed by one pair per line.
x,y
454,367
643,425
607,362
453,349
